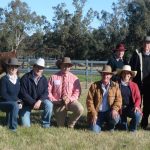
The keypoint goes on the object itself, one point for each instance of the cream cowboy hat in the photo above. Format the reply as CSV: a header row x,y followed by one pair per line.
x,y
106,69
127,68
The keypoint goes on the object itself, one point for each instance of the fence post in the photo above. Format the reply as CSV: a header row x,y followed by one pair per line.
x,y
86,73
91,67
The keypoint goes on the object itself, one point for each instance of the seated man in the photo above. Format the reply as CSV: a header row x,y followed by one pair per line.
x,y
34,93
64,90
103,102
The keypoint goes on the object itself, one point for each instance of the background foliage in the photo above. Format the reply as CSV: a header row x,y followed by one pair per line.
x,y
71,34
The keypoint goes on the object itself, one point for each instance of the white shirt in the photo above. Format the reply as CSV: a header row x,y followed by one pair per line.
x,y
105,106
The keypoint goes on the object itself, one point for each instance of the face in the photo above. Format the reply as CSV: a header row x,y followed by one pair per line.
x,y
106,77
126,76
12,70
38,70
147,47
120,54
65,68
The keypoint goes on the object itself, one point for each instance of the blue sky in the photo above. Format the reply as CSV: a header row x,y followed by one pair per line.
x,y
44,7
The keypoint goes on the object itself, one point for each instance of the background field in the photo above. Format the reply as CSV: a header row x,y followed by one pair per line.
x,y
37,138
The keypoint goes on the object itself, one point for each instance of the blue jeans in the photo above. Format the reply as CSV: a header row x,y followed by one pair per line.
x,y
135,119
102,118
12,109
47,108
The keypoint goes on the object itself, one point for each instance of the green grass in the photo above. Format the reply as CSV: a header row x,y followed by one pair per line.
x,y
37,138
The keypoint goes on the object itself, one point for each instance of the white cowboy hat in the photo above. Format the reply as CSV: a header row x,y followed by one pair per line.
x,y
127,68
40,62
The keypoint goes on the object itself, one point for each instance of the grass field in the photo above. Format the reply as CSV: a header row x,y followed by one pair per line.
x,y
37,138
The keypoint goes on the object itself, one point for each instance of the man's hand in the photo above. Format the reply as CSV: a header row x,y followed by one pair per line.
x,y
37,105
66,100
136,109
94,119
115,114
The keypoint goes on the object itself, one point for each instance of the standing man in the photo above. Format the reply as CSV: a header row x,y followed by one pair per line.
x,y
64,91
104,102
140,61
34,93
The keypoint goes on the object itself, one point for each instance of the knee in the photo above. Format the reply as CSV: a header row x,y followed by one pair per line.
x,y
14,107
48,104
81,109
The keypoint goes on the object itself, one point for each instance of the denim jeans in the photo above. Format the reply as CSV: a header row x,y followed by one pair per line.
x,y
12,109
102,118
135,119
47,108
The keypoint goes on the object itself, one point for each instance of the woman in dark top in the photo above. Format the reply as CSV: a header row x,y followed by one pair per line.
x,y
117,61
9,89
130,97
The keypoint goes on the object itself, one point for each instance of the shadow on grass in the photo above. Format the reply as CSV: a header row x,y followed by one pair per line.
x,y
36,119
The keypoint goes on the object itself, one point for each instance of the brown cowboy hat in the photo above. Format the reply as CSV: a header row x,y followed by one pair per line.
x,y
106,69
64,60
127,68
120,47
13,62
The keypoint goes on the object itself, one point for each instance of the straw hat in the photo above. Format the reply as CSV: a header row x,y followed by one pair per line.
x,y
40,62
64,60
13,62
106,69
127,68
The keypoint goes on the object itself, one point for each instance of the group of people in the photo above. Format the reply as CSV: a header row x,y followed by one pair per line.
x,y
116,96
120,92
34,92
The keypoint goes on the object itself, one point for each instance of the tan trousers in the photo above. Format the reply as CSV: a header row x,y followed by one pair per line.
x,y
60,113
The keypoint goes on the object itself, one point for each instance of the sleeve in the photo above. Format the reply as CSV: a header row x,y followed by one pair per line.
x,y
90,101
137,96
44,94
3,90
24,91
76,91
50,86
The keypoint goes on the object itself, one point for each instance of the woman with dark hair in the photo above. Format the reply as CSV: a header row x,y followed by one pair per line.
x,y
131,99
9,90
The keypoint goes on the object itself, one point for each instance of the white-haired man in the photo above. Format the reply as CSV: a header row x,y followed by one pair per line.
x,y
34,93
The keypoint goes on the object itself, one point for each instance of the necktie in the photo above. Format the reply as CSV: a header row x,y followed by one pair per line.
x,y
63,94
63,87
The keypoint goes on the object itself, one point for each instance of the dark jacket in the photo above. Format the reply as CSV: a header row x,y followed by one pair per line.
x,y
8,90
30,92
136,63
116,64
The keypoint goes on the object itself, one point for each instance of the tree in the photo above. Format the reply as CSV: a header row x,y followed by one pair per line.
x,y
17,22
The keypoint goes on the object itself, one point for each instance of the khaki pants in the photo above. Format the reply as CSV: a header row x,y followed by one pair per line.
x,y
60,113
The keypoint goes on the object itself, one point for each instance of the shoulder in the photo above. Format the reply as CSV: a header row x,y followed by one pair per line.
x,y
72,75
4,78
114,84
95,85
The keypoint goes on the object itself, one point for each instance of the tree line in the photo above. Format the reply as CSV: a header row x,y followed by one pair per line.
x,y
70,33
